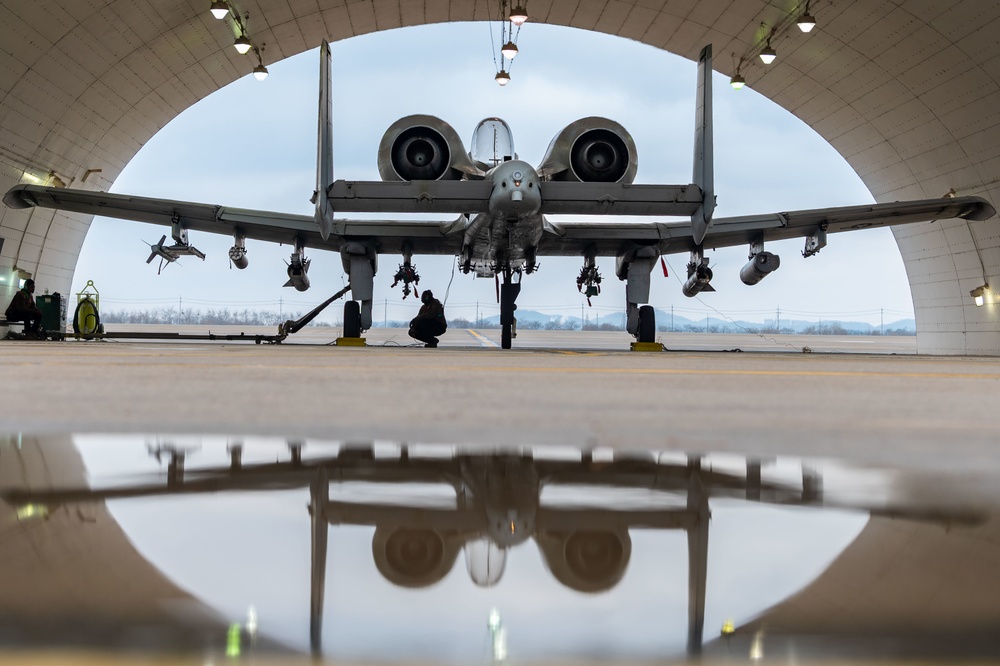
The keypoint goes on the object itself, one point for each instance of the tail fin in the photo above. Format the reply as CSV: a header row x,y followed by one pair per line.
x,y
704,167
324,154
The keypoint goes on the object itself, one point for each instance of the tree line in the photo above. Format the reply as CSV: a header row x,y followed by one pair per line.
x,y
248,317
212,317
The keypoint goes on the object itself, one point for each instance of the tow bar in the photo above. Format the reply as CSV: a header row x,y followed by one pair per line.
x,y
290,327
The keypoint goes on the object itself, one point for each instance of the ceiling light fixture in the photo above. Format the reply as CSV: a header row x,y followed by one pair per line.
x,y
737,81
259,72
767,54
219,9
509,21
979,295
806,22
518,15
242,44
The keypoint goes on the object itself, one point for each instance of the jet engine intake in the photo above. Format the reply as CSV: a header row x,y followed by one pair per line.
x,y
591,150
759,267
413,557
423,148
586,561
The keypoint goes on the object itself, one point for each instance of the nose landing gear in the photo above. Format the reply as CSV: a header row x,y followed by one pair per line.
x,y
509,291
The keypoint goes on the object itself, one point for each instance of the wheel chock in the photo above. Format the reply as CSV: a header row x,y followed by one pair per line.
x,y
351,342
647,347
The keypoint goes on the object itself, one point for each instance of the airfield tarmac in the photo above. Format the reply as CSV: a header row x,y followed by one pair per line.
x,y
554,388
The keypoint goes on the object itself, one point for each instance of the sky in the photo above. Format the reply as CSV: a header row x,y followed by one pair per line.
x,y
253,145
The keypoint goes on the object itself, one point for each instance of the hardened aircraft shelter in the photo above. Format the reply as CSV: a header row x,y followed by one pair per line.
x,y
908,92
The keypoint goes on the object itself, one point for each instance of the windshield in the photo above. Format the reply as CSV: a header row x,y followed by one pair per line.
x,y
492,143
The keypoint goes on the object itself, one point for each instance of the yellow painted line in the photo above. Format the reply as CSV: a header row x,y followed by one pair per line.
x,y
483,340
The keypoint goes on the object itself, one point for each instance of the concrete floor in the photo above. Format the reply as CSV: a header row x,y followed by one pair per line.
x,y
562,388
933,416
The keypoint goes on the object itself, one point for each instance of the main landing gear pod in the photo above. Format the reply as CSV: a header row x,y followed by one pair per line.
x,y
360,263
634,267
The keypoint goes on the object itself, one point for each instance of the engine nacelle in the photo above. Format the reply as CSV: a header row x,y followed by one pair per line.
x,y
413,557
586,561
759,267
422,147
591,150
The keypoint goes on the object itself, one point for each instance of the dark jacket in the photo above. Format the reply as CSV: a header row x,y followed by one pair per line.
x,y
431,313
22,303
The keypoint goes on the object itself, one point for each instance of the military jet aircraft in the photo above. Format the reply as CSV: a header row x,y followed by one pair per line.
x,y
502,205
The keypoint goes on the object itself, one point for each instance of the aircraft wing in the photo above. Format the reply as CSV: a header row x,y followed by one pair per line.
x,y
472,196
609,238
426,237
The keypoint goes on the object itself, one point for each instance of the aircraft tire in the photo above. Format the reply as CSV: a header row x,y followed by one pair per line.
x,y
647,324
352,319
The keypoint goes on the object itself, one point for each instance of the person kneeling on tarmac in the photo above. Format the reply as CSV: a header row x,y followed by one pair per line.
x,y
22,308
429,322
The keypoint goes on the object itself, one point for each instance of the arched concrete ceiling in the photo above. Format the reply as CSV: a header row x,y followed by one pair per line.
x,y
908,91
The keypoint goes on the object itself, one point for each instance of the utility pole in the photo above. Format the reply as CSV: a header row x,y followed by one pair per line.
x,y
478,325
881,321
777,320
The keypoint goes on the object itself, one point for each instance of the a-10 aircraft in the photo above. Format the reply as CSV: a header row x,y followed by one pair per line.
x,y
502,203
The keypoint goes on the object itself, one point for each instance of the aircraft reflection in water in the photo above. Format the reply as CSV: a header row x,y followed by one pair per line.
x,y
497,506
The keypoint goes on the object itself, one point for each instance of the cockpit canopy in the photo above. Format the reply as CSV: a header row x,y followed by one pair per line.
x,y
492,143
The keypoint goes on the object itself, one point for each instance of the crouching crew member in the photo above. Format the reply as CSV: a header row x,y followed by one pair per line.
x,y
22,308
429,322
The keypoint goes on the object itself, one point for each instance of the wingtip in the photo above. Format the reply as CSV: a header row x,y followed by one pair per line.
x,y
978,209
16,198
985,212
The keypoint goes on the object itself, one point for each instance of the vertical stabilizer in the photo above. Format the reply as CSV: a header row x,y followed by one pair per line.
x,y
324,139
704,167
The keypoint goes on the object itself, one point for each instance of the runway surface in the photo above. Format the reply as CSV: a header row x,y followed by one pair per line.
x,y
565,388
899,449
